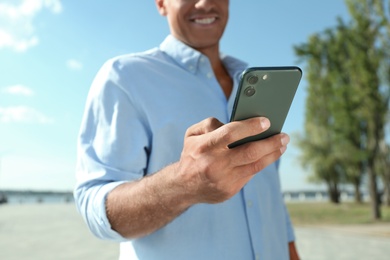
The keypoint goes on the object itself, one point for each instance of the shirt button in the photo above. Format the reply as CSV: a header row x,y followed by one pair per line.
x,y
191,68
257,257
202,59
209,75
249,203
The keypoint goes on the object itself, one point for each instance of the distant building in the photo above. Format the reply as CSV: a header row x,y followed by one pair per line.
x,y
316,195
3,198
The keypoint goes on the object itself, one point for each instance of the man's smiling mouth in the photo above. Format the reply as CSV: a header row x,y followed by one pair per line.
x,y
205,20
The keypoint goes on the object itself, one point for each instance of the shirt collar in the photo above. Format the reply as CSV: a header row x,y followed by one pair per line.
x,y
185,56
189,58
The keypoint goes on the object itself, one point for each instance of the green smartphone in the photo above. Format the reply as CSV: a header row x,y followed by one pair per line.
x,y
266,92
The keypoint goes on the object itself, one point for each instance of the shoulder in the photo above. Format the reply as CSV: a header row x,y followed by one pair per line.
x,y
128,67
134,60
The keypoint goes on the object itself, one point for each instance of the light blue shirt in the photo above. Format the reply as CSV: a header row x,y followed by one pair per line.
x,y
136,115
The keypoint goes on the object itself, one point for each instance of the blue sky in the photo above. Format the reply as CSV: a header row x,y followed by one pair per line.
x,y
50,51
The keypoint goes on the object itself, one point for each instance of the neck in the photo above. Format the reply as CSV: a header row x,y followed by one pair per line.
x,y
220,72
213,54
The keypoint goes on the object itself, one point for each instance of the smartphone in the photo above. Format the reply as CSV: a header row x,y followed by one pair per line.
x,y
266,92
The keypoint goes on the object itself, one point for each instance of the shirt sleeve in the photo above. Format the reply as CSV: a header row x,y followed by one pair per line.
x,y
112,147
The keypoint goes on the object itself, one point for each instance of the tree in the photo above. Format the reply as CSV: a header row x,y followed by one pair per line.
x,y
318,143
347,99
368,31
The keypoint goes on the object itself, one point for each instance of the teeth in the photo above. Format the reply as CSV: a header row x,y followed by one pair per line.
x,y
205,20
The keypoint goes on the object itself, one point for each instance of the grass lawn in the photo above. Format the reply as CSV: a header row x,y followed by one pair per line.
x,y
323,213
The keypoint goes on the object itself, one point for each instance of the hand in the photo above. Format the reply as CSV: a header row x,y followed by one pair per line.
x,y
214,173
207,172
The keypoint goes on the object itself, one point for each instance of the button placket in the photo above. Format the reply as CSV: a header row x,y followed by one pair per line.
x,y
252,218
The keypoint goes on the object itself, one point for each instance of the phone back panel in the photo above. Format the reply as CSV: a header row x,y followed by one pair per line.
x,y
267,92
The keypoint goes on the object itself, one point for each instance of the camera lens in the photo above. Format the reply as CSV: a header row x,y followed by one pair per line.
x,y
252,79
250,91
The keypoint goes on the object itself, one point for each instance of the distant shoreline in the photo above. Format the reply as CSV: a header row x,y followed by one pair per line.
x,y
47,196
30,196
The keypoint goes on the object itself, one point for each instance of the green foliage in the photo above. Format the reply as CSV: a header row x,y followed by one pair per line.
x,y
348,75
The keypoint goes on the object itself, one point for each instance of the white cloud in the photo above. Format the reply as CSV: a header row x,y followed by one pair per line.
x,y
17,30
74,64
22,114
20,90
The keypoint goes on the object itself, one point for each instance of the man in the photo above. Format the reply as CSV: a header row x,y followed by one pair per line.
x,y
163,197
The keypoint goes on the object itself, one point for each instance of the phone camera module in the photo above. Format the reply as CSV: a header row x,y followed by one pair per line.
x,y
252,79
250,91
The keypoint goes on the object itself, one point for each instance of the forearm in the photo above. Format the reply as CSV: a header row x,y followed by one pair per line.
x,y
136,209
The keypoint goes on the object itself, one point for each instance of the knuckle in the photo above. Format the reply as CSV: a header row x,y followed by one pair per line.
x,y
189,131
254,123
258,166
225,135
209,121
265,161
200,149
251,154
213,123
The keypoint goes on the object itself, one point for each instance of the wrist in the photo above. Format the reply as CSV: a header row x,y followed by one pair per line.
x,y
174,189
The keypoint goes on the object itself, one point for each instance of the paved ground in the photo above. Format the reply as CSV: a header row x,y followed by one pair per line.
x,y
344,243
47,231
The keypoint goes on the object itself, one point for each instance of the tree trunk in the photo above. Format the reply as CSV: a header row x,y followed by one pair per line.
x,y
373,188
386,189
358,194
334,193
385,168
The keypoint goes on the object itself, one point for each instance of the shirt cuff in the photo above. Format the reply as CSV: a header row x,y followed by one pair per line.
x,y
99,224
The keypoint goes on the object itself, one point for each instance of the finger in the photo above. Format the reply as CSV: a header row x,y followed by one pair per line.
x,y
253,151
238,130
255,167
203,127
